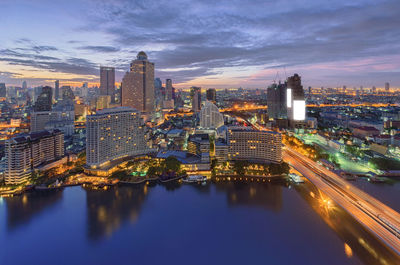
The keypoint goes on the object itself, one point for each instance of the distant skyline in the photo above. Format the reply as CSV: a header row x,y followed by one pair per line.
x,y
203,43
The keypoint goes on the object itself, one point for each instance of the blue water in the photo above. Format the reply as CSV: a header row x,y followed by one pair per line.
x,y
222,223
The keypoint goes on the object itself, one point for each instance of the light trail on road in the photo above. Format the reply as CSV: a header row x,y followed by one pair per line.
x,y
378,218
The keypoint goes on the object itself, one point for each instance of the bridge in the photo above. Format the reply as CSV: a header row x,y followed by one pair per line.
x,y
375,216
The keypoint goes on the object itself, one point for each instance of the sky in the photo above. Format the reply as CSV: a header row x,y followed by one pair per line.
x,y
224,43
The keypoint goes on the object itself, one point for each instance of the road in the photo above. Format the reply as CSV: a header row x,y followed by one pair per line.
x,y
375,216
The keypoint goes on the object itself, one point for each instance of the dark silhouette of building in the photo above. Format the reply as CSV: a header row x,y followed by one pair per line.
x,y
295,102
3,90
57,89
107,82
44,100
67,93
276,101
211,95
195,94
169,90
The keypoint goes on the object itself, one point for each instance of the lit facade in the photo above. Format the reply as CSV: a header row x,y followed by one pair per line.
x,y
138,85
263,146
26,152
112,134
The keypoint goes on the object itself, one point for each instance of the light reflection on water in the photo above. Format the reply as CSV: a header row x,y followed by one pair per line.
x,y
232,222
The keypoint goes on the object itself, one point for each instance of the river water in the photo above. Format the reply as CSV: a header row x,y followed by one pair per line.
x,y
219,223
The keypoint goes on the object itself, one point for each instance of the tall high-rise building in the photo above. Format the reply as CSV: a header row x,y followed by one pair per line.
x,y
107,82
211,95
195,94
44,100
3,90
277,101
296,103
157,83
112,134
57,89
210,117
138,85
26,152
169,90
24,85
387,86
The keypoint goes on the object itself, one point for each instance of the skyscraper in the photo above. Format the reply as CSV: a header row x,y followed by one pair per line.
x,y
3,90
57,89
387,86
112,134
169,93
195,94
138,85
296,103
211,95
157,83
277,101
44,100
107,82
24,85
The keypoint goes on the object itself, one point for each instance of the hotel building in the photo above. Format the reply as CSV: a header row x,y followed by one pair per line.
x,y
114,134
264,146
24,153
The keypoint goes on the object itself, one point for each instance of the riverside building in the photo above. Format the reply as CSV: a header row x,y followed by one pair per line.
x,y
114,134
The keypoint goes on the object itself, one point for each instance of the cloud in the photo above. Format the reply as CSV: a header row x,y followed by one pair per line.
x,y
207,38
99,49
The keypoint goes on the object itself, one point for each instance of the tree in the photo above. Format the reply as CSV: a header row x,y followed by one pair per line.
x,y
279,169
172,164
240,167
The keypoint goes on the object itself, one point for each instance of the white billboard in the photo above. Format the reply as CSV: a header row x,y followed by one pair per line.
x,y
299,110
289,97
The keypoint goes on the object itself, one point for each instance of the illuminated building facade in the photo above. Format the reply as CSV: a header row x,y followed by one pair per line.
x,y
138,85
112,134
247,144
27,152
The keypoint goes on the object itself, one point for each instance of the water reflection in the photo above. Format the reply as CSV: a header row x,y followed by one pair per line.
x,y
263,195
22,209
107,210
358,241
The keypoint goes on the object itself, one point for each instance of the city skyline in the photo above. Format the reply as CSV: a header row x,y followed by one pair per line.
x,y
205,44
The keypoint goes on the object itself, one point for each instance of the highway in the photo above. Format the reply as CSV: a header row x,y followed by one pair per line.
x,y
378,218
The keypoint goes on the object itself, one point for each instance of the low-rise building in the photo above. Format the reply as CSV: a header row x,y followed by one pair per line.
x,y
365,131
26,152
198,144
248,144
